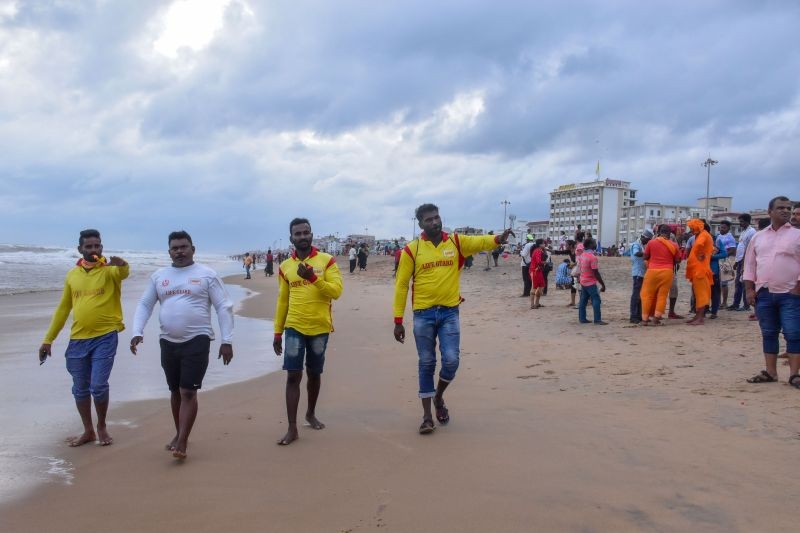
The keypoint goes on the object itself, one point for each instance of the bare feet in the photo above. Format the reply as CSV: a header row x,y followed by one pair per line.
x,y
74,442
290,436
171,446
696,321
314,422
103,438
179,453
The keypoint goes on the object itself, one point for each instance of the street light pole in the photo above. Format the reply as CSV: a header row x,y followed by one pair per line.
x,y
708,163
505,204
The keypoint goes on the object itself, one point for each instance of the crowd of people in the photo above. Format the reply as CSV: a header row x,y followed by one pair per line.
x,y
763,266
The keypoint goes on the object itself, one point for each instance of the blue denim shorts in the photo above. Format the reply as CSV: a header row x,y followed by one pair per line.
x,y
298,347
89,362
776,313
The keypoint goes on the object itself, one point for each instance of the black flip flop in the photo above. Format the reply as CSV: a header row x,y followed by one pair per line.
x,y
794,381
442,414
426,427
763,377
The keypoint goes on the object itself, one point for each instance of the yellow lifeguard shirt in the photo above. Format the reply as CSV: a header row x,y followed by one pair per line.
x,y
435,270
94,298
307,305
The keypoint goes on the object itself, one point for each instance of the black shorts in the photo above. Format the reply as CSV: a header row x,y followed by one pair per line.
x,y
185,363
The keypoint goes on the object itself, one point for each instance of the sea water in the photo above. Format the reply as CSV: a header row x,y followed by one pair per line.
x,y
38,408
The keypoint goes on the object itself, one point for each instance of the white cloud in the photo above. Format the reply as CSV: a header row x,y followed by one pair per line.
x,y
190,25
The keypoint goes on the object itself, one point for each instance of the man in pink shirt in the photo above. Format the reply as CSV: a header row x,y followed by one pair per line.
x,y
589,279
772,283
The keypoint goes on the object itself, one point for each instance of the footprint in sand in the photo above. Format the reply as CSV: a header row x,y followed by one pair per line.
x,y
549,371
529,376
533,365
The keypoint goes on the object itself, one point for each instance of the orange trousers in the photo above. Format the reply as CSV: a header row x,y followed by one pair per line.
x,y
702,292
655,291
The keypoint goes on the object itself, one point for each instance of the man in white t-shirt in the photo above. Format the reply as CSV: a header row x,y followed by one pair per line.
x,y
525,253
744,239
185,291
353,257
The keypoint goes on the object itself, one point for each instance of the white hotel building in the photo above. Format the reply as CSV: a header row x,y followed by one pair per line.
x,y
596,205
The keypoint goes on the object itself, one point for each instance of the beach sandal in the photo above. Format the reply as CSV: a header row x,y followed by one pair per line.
x,y
426,427
794,381
762,377
443,415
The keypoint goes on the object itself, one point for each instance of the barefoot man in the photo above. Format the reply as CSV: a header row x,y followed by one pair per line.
x,y
308,282
433,263
698,269
92,293
185,291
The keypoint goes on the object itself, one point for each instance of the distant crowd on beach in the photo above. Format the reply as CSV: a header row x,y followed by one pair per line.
x,y
758,274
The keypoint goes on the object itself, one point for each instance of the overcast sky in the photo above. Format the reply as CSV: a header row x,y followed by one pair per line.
x,y
229,117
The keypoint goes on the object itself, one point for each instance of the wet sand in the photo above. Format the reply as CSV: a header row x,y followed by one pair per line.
x,y
555,426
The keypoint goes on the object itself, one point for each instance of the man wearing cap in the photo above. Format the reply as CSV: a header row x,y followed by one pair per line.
x,y
525,253
638,269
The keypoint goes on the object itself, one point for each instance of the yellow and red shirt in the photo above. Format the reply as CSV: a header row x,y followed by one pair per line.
x,y
434,270
93,296
307,305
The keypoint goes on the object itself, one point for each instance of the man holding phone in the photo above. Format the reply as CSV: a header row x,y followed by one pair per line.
x,y
92,292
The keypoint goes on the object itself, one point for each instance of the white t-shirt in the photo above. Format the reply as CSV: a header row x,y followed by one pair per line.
x,y
352,254
744,240
526,254
186,295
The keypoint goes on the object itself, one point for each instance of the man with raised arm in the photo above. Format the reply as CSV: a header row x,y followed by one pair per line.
x,y
433,264
185,291
308,282
92,292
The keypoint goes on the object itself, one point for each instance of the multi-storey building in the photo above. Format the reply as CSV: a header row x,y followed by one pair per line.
x,y
540,229
635,219
596,205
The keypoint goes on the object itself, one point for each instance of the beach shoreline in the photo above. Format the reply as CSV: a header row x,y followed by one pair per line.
x,y
555,426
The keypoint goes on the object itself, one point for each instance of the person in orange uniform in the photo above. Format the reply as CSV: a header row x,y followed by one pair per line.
x,y
661,255
698,269
433,264
308,282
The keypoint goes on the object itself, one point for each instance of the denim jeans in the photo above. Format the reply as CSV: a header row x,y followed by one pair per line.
x,y
636,299
89,362
738,293
442,322
778,312
587,292
716,294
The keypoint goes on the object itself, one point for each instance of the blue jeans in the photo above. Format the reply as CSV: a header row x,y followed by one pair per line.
x,y
778,312
716,294
636,299
738,293
587,292
442,322
89,362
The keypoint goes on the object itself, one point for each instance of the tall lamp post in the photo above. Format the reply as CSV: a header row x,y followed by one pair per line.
x,y
708,163
505,204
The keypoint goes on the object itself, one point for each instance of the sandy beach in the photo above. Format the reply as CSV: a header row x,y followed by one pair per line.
x,y
555,426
